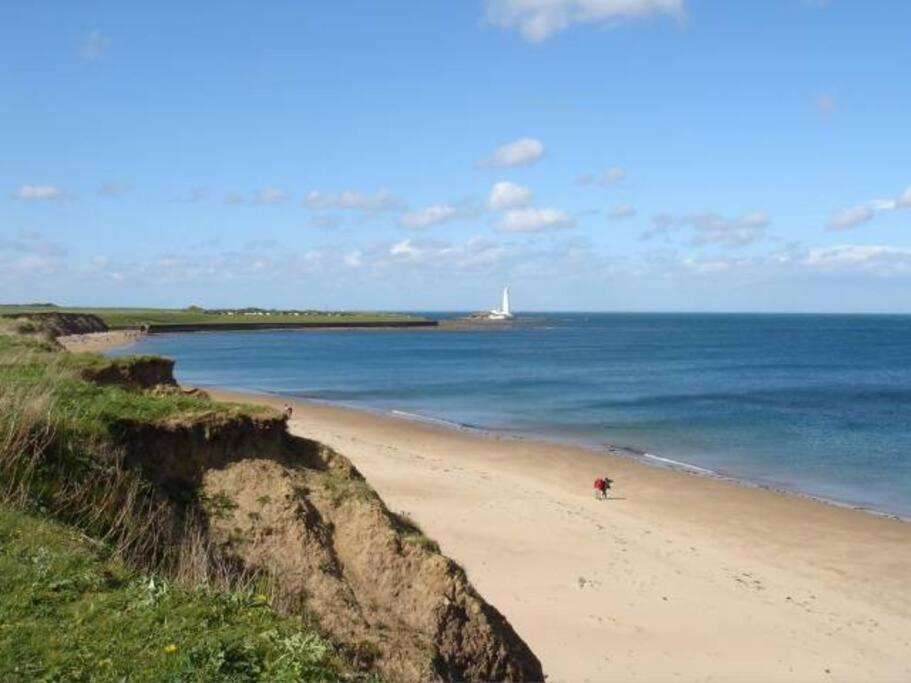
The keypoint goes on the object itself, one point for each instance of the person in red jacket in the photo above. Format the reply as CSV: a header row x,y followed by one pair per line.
x,y
601,487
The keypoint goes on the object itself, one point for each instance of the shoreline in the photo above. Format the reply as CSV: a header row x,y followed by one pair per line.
x,y
679,576
641,457
101,341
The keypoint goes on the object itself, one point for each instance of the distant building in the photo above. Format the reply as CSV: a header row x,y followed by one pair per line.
x,y
502,313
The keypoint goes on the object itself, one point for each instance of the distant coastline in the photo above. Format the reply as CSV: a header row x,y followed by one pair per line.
x,y
233,327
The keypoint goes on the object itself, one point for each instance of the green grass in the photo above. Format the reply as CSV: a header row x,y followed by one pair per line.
x,y
86,546
132,317
94,408
70,613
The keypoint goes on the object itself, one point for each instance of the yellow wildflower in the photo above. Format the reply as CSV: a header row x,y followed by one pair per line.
x,y
170,648
261,598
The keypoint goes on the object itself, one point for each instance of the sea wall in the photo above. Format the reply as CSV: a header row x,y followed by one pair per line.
x,y
224,327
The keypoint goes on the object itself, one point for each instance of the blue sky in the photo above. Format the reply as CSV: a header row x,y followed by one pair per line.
x,y
594,154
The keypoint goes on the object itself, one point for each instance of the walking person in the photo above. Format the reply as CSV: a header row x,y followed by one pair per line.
x,y
606,481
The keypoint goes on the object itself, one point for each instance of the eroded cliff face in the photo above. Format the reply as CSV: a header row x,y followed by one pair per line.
x,y
136,373
300,513
59,324
372,580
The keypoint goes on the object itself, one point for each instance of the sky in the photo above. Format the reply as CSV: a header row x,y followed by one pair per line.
x,y
601,155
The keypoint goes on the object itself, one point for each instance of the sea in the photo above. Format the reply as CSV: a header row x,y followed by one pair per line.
x,y
814,404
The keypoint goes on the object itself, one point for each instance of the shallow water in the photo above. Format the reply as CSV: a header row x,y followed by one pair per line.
x,y
819,404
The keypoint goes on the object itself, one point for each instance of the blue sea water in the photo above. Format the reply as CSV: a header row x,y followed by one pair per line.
x,y
820,404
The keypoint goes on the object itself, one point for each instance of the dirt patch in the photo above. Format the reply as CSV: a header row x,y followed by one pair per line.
x,y
136,373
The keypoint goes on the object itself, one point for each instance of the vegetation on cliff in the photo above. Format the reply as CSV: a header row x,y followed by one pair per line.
x,y
252,552
71,610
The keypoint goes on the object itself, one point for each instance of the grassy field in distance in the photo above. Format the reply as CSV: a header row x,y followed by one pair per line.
x,y
132,317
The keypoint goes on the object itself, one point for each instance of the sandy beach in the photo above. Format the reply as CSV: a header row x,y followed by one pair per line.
x,y
677,577
98,341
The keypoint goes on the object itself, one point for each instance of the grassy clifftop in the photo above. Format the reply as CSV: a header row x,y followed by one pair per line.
x,y
162,533
99,579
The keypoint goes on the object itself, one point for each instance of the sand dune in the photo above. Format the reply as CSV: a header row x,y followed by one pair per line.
x,y
677,578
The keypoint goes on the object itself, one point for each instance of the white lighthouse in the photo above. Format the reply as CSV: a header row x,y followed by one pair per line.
x,y
503,313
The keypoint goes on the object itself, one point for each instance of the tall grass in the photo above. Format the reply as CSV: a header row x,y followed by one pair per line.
x,y
54,459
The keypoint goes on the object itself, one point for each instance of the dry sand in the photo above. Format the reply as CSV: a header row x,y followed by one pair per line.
x,y
98,341
678,577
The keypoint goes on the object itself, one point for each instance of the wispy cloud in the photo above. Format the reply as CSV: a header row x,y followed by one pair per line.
x,y
521,152
851,218
271,195
534,220
711,228
538,20
38,193
507,195
29,254
421,219
612,176
93,45
854,216
325,221
874,259
352,200
621,212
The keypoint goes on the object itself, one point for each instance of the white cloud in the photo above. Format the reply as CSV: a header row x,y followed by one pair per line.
x,y
612,176
521,152
851,218
905,199
271,195
430,216
538,20
327,222
884,204
876,259
711,228
353,259
404,248
507,195
864,213
534,220
351,200
38,193
29,254
93,46
621,212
